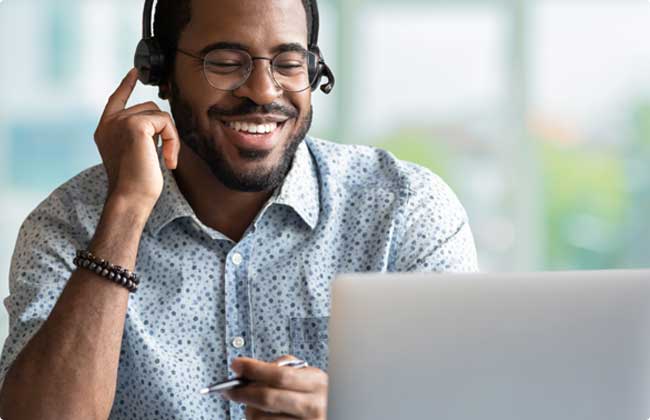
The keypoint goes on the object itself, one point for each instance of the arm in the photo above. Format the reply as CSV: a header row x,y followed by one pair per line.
x,y
68,369
76,351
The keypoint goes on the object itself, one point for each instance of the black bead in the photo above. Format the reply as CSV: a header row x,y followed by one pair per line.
x,y
117,274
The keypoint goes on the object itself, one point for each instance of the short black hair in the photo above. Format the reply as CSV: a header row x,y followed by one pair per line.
x,y
172,16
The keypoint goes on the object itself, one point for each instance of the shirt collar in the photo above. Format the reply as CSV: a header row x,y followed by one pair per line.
x,y
171,204
300,191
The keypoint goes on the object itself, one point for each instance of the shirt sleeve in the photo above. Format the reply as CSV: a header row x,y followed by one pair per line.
x,y
436,236
40,268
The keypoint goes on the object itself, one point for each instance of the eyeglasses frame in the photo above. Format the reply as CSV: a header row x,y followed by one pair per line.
x,y
250,70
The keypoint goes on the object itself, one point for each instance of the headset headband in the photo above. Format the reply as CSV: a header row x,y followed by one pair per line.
x,y
315,23
147,31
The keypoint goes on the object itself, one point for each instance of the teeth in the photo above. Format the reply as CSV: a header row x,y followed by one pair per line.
x,y
251,127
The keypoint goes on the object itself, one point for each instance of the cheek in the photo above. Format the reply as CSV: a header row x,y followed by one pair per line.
x,y
191,84
199,96
302,101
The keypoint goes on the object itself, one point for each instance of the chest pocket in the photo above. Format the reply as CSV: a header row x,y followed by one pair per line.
x,y
309,340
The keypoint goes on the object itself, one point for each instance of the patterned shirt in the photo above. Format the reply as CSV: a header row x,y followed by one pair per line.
x,y
205,299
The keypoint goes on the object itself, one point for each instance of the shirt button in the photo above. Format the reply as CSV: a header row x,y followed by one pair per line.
x,y
238,342
237,259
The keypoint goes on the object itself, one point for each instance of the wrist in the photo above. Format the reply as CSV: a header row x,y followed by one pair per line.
x,y
135,208
120,229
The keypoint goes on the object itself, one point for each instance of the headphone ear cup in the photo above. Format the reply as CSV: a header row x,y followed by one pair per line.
x,y
317,77
150,62
316,74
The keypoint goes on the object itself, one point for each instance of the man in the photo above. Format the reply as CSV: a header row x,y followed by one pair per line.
x,y
235,235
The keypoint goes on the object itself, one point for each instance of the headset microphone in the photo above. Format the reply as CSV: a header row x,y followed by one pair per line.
x,y
150,59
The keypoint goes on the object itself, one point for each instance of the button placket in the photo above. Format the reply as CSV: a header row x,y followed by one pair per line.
x,y
239,341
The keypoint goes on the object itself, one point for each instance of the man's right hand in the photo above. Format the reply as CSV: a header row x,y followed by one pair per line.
x,y
127,138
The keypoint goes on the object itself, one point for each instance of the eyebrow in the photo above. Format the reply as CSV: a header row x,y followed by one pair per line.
x,y
291,46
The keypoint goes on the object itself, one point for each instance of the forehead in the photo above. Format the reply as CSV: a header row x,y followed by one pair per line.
x,y
258,24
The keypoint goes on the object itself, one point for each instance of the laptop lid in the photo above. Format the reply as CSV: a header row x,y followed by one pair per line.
x,y
539,346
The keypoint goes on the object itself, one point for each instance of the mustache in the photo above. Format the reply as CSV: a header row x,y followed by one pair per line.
x,y
249,107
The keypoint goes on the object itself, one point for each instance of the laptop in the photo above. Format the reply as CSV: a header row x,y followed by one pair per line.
x,y
538,346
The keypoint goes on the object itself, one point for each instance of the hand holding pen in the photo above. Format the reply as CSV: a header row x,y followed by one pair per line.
x,y
275,389
240,381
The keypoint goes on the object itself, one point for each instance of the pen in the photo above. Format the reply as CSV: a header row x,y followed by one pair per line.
x,y
234,382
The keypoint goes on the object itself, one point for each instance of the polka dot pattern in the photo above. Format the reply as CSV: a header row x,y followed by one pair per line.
x,y
205,300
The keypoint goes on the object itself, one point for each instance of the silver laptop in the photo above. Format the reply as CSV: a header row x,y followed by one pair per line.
x,y
545,346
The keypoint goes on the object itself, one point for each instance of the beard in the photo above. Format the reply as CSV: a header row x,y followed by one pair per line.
x,y
255,180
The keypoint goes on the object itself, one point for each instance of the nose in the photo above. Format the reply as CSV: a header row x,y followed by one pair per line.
x,y
260,86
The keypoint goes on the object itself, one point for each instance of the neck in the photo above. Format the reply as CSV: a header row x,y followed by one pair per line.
x,y
227,211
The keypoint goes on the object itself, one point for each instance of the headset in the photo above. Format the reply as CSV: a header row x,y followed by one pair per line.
x,y
150,58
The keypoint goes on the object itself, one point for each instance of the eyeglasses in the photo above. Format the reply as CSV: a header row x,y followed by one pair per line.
x,y
229,69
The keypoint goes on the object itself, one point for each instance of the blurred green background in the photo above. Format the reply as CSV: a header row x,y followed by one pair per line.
x,y
536,112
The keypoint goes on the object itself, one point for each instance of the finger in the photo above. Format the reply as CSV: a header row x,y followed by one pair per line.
x,y
252,413
147,106
171,144
278,401
282,377
170,149
160,123
119,98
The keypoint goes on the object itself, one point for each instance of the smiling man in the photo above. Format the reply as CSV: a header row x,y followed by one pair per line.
x,y
235,225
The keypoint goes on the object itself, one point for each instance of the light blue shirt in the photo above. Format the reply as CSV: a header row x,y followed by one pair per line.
x,y
205,299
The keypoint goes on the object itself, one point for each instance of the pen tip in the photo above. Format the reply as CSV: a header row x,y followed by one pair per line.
x,y
204,391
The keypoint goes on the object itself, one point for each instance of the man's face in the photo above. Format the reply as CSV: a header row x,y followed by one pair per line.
x,y
204,115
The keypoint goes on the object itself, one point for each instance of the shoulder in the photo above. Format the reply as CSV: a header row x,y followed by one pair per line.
x,y
87,187
63,222
73,206
360,166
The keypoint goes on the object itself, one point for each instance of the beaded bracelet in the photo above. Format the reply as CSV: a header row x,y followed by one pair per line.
x,y
115,273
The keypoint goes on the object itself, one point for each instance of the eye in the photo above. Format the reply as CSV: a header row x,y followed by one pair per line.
x,y
225,61
222,67
289,65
